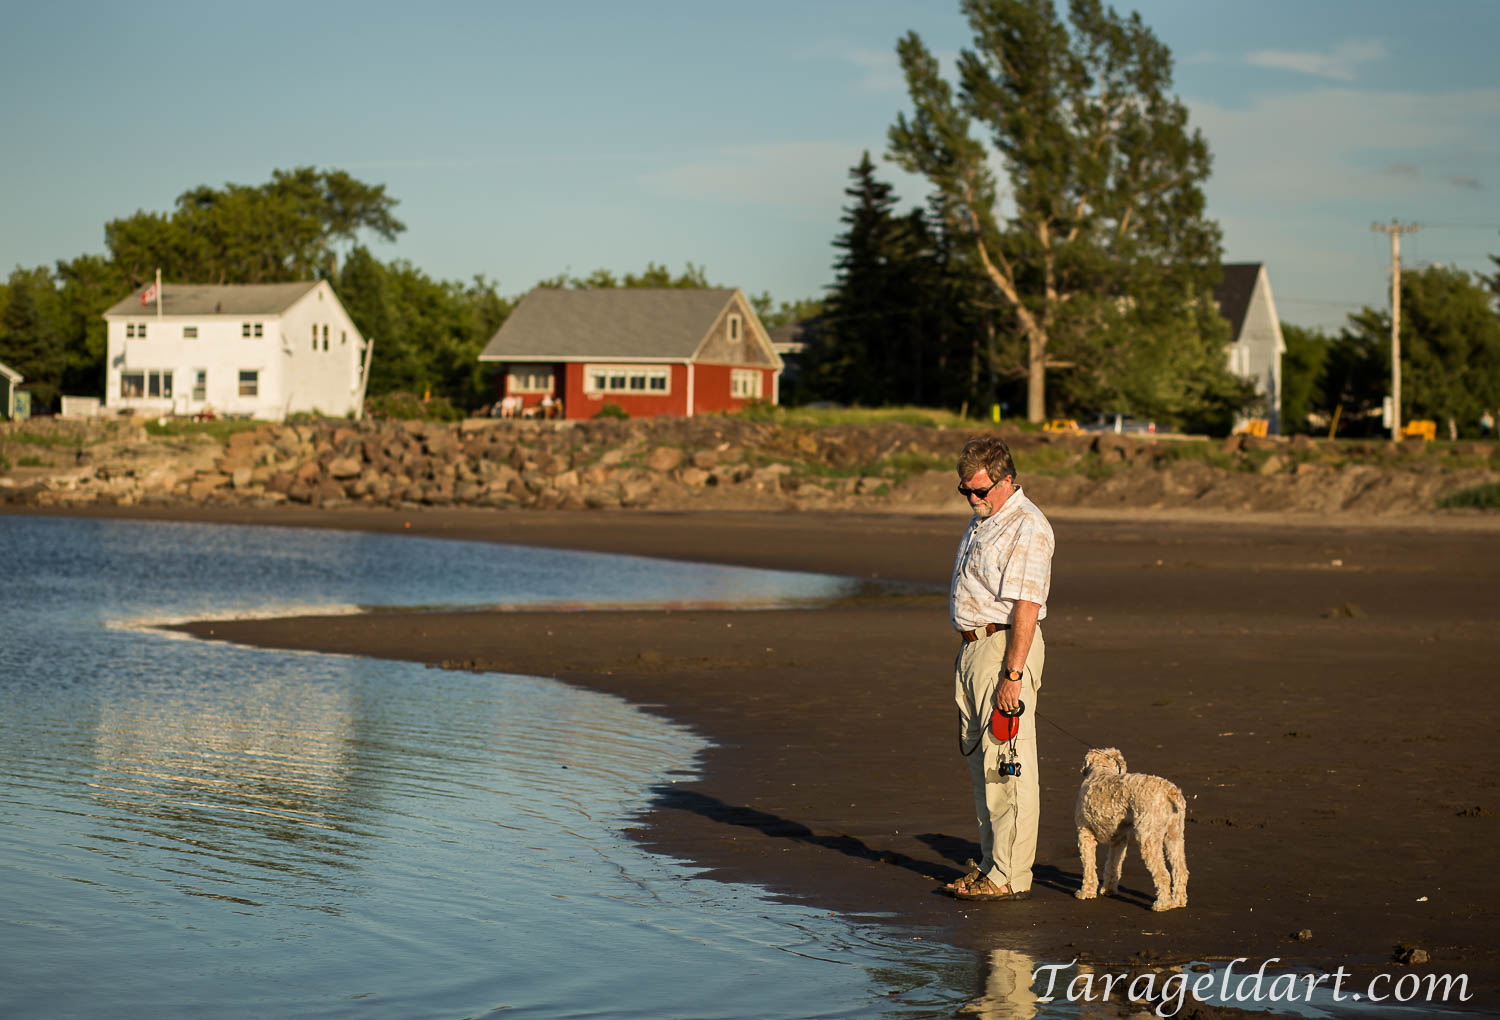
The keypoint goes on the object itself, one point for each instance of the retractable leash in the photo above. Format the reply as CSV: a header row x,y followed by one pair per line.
x,y
1005,727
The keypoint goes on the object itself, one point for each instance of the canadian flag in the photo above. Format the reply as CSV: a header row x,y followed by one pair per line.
x,y
148,295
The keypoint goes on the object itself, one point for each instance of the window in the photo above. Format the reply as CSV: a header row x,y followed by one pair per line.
x,y
135,330
190,332
247,327
745,384
530,379
257,329
200,384
325,336
343,336
734,327
249,382
244,329
146,383
637,379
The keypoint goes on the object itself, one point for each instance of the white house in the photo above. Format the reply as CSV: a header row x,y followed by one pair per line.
x,y
1256,345
9,396
259,350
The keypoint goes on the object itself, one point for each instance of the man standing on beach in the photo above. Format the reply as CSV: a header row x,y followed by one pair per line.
x,y
998,597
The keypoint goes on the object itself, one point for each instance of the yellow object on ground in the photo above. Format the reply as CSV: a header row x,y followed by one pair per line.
x,y
1424,428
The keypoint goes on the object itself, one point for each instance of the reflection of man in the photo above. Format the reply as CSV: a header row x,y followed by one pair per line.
x,y
1001,577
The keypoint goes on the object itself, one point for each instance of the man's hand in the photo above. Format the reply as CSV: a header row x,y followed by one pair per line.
x,y
1010,695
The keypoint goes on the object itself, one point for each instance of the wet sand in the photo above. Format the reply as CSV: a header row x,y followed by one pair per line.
x,y
1324,695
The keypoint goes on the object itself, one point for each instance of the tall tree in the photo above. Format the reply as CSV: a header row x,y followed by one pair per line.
x,y
29,342
1106,254
285,229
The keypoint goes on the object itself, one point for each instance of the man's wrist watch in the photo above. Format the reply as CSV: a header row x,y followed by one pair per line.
x,y
1013,675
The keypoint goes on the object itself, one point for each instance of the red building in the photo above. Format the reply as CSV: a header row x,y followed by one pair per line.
x,y
649,351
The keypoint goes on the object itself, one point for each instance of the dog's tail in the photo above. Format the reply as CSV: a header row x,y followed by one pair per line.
x,y
1178,822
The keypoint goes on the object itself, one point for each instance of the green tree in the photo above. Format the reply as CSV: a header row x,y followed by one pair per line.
x,y
89,284
1107,260
1450,353
428,333
1302,368
29,341
652,276
285,229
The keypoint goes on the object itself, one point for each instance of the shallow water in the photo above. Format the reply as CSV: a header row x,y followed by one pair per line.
x,y
188,826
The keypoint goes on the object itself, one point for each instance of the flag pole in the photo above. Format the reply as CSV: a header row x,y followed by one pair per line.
x,y
158,293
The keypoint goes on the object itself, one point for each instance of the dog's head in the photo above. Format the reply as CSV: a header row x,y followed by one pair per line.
x,y
1105,760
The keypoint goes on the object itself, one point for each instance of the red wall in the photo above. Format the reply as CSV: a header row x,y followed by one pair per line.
x,y
710,392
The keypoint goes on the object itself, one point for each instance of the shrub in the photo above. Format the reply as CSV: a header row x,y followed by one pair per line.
x,y
612,410
409,406
1478,497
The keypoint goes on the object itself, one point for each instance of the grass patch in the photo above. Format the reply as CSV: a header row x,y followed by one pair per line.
x,y
30,462
4,463
822,417
220,429
1478,497
40,439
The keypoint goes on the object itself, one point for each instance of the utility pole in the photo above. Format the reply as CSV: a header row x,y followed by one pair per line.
x,y
1395,229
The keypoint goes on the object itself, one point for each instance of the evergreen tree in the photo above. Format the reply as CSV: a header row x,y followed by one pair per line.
x,y
28,337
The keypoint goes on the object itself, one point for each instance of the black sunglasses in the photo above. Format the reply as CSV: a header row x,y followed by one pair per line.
x,y
965,491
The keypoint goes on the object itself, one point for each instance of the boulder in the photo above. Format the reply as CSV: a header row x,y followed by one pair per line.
x,y
664,458
344,467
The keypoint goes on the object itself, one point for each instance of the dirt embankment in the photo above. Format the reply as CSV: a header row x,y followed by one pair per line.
x,y
707,463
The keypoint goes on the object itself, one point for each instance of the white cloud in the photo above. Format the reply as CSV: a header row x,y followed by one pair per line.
x,y
1339,144
1340,63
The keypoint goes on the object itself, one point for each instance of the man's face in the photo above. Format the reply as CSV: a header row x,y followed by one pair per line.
x,y
992,500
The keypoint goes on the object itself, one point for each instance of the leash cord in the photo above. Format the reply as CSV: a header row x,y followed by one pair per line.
x,y
995,703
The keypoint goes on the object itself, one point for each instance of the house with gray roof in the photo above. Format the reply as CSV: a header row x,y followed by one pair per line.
x,y
650,351
253,350
1256,344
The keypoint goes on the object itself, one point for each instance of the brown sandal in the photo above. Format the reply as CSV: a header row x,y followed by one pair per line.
x,y
986,891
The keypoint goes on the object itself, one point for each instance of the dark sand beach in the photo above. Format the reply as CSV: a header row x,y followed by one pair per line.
x,y
1323,693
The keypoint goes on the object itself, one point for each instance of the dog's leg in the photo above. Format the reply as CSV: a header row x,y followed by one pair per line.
x,y
1116,863
1087,850
1177,849
1154,853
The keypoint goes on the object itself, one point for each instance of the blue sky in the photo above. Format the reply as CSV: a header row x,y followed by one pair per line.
x,y
528,139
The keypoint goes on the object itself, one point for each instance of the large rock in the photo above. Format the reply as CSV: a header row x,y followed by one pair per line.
x,y
664,458
344,467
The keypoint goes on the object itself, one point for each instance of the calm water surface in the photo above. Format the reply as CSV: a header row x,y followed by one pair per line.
x,y
190,827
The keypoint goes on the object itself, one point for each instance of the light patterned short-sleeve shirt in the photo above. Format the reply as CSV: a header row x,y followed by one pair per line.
x,y
1001,559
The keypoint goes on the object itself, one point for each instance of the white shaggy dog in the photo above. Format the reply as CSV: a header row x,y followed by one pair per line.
x,y
1112,804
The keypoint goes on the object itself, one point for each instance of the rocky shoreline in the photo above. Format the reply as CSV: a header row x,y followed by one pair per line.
x,y
710,462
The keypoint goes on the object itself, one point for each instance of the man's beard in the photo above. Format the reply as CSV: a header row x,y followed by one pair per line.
x,y
983,510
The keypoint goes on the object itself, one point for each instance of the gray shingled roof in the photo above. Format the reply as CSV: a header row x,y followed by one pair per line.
x,y
208,299
613,323
1234,293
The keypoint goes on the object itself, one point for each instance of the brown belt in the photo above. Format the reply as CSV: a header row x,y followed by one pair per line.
x,y
970,636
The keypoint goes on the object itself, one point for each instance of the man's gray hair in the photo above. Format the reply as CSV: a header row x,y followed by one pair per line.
x,y
989,453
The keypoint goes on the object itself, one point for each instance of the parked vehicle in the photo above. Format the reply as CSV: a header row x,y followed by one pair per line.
x,y
1120,423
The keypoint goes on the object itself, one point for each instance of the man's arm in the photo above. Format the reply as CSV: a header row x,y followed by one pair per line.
x,y
1022,632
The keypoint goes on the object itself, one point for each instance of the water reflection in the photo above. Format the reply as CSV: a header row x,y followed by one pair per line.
x,y
1008,993
188,826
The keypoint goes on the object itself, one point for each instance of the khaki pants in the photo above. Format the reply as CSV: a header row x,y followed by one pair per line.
x,y
1006,807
